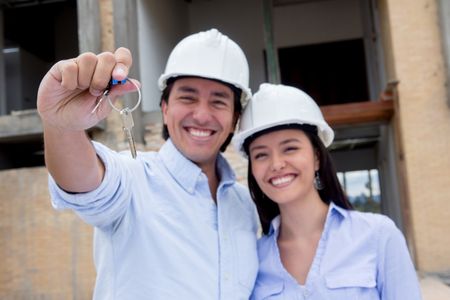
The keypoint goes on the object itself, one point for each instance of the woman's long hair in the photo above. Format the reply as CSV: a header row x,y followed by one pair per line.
x,y
332,191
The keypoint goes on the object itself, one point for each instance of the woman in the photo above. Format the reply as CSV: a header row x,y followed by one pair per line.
x,y
314,246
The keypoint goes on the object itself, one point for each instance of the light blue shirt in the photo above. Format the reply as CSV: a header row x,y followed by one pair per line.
x,y
360,256
158,232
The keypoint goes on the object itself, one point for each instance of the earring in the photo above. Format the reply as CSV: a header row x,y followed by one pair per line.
x,y
318,182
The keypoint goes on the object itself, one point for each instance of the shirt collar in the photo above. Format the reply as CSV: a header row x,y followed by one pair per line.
x,y
187,173
274,225
333,209
337,210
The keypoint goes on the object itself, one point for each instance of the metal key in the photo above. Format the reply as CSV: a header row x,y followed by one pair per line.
x,y
127,124
111,83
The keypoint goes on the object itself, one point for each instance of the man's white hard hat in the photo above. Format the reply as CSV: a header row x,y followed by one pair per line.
x,y
275,105
212,55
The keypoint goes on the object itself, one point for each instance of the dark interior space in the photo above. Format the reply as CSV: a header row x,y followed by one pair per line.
x,y
331,73
35,26
36,34
21,154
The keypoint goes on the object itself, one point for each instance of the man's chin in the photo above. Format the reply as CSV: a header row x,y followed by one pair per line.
x,y
201,157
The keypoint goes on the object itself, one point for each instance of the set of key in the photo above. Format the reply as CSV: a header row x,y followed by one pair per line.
x,y
125,113
127,125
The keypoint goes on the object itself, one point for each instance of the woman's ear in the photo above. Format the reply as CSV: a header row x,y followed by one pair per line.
x,y
316,161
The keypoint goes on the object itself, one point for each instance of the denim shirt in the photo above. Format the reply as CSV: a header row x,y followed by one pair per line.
x,y
360,256
160,235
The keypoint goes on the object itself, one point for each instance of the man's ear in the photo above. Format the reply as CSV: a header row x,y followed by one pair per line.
x,y
164,108
236,116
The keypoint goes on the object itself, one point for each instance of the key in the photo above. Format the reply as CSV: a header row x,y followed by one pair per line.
x,y
111,83
105,93
127,124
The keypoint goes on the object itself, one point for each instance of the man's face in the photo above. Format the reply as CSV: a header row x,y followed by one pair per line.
x,y
199,116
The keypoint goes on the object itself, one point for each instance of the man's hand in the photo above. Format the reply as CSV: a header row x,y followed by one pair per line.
x,y
70,90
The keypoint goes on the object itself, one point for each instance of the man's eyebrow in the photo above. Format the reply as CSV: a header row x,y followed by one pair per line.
x,y
187,89
222,94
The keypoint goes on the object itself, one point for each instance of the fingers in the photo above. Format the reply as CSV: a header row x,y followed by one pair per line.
x,y
93,72
102,73
68,74
124,60
86,64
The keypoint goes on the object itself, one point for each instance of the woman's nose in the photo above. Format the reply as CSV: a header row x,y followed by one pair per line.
x,y
278,163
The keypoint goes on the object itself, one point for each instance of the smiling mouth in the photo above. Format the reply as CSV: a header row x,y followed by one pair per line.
x,y
282,180
201,133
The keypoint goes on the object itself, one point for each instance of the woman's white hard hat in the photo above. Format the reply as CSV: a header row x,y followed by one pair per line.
x,y
211,55
275,105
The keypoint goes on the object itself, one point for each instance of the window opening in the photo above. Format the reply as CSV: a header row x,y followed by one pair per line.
x,y
363,189
331,73
27,52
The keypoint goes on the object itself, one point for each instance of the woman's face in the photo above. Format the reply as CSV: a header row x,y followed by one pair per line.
x,y
284,164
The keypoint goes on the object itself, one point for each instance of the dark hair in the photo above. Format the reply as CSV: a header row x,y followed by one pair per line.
x,y
237,104
332,191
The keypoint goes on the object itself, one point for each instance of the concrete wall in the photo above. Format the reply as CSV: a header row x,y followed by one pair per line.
x,y
161,25
424,123
242,21
317,22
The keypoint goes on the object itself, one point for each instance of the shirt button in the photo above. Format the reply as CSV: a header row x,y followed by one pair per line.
x,y
306,293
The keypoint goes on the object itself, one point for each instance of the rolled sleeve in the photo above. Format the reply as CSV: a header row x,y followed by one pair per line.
x,y
108,201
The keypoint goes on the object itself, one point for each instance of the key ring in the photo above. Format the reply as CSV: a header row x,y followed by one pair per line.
x,y
137,103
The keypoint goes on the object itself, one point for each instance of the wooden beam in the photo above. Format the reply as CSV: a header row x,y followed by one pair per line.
x,y
358,112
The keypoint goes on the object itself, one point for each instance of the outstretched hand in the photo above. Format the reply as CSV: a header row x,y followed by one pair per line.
x,y
71,88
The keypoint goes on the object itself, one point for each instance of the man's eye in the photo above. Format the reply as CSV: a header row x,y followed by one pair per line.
x,y
187,98
220,103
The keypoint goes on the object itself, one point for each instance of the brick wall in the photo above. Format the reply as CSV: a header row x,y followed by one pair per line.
x,y
44,254
425,125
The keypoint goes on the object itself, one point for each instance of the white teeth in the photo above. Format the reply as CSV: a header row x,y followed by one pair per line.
x,y
282,180
199,133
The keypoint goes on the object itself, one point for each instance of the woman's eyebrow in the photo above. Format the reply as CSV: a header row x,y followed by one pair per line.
x,y
287,141
257,147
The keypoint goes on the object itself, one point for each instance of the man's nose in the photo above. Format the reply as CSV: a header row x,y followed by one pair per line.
x,y
202,112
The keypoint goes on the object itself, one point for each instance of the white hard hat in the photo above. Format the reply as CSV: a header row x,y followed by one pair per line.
x,y
209,54
275,105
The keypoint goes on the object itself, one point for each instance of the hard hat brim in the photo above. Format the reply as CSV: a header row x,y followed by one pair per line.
x,y
326,134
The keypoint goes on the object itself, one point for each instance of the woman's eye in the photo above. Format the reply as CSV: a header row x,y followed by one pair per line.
x,y
291,149
259,156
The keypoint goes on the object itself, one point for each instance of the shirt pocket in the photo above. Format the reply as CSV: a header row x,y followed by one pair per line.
x,y
353,285
268,291
247,257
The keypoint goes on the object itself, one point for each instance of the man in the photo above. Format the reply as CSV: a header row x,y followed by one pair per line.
x,y
168,225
